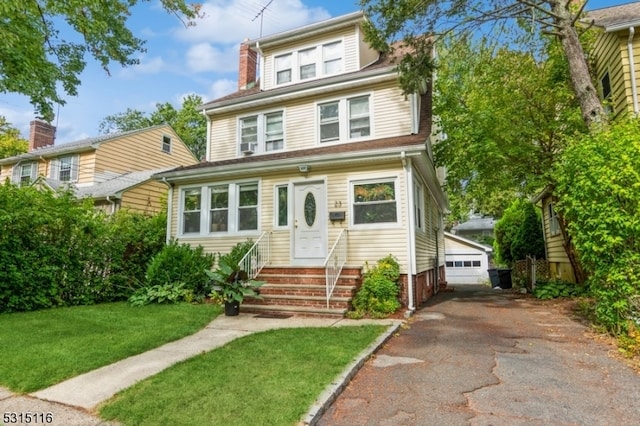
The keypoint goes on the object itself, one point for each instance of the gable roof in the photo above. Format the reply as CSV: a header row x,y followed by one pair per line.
x,y
87,144
467,242
615,18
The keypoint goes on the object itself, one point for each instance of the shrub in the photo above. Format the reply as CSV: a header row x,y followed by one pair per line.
x,y
180,265
599,197
167,293
378,296
557,288
518,233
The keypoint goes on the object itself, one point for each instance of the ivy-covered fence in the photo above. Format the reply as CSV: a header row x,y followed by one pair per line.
x,y
57,251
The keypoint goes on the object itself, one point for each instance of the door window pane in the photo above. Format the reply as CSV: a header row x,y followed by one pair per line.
x,y
283,205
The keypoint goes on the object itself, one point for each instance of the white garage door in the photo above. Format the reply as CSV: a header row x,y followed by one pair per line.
x,y
465,269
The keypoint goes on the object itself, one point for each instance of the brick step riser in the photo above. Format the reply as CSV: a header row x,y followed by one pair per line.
x,y
307,271
299,303
298,279
264,292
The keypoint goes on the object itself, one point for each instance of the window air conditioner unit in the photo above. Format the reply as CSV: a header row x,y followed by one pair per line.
x,y
246,148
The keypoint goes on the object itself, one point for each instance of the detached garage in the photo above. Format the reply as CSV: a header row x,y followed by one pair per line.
x,y
467,261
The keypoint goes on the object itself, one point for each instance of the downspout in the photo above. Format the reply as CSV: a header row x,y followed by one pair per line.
x,y
169,209
113,204
408,177
632,71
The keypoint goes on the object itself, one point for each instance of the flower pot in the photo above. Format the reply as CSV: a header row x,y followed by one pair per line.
x,y
231,308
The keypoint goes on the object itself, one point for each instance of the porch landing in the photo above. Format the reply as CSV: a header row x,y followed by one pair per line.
x,y
302,291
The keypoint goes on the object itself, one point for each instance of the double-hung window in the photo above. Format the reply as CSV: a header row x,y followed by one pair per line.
x,y
191,206
219,208
311,62
605,84
261,133
65,169
24,173
332,58
247,207
374,202
166,144
283,68
349,116
307,63
554,225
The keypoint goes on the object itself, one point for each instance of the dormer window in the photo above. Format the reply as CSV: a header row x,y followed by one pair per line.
x,y
262,133
312,62
332,57
283,69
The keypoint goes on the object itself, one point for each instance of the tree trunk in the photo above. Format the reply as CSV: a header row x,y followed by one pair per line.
x,y
586,93
569,248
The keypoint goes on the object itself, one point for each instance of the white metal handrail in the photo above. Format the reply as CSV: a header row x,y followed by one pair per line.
x,y
258,255
335,262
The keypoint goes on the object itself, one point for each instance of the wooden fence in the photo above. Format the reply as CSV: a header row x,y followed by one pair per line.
x,y
526,272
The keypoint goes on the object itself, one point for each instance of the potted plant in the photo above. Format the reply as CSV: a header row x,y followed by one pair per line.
x,y
231,284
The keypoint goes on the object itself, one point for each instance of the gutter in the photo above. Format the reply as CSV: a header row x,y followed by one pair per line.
x,y
408,178
632,71
169,210
113,204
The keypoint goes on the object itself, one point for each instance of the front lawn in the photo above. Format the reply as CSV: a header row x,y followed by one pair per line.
x,y
269,378
39,349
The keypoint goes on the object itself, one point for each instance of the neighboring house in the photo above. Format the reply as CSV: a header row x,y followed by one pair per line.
x,y
617,77
115,170
476,228
323,151
617,80
467,262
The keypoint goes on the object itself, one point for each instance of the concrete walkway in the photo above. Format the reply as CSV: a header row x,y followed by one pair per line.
x,y
72,402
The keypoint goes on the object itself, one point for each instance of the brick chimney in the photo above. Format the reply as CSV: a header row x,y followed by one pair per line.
x,y
41,134
248,65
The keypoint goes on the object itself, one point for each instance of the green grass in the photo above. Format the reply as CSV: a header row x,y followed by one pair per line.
x,y
269,378
39,349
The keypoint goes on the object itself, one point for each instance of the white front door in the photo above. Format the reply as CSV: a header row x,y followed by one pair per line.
x,y
310,223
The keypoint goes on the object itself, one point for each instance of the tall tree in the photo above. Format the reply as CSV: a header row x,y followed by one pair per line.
x,y
10,141
410,20
506,116
187,121
36,61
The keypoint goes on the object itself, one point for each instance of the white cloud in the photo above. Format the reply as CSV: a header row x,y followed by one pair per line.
x,y
220,88
231,21
203,57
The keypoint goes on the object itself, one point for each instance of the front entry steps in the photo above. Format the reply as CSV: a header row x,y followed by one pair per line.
x,y
302,291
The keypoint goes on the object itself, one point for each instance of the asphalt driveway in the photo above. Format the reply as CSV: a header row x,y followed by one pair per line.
x,y
487,357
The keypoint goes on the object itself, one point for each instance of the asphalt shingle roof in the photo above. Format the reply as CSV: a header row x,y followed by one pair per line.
x,y
623,15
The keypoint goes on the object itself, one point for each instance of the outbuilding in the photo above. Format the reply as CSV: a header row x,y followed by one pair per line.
x,y
467,261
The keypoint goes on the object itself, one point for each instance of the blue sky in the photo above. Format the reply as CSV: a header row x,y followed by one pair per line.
x,y
179,61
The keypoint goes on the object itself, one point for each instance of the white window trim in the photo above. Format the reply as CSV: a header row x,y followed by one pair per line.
x,y
262,132
320,61
162,144
205,209
55,168
377,225
554,224
276,210
16,172
344,119
419,200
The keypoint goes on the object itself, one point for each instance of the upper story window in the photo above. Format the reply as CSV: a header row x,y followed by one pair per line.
x,y
283,68
350,117
24,173
166,144
65,169
312,62
262,132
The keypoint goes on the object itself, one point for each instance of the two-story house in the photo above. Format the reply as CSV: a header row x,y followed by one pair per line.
x,y
114,170
615,64
326,160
